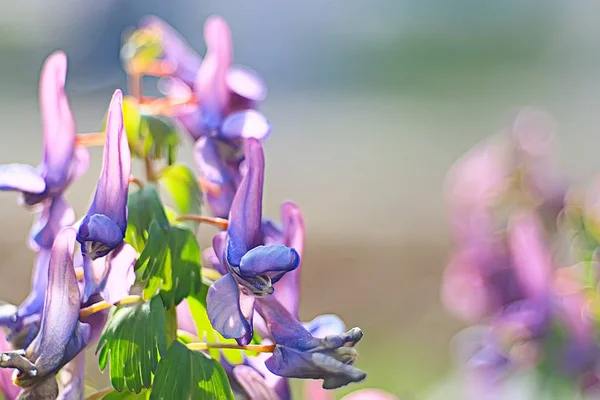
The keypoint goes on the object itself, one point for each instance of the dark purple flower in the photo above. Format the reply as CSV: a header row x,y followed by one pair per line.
x,y
299,354
61,335
103,228
252,267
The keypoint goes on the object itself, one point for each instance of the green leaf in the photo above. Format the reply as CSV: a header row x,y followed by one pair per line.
x,y
143,395
185,374
197,304
142,48
181,184
134,339
170,262
144,207
160,137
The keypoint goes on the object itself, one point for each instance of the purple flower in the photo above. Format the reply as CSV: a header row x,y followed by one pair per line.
x,y
252,268
7,387
61,335
103,228
176,51
300,354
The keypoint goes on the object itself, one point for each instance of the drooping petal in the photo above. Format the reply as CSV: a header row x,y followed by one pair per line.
x,y
111,193
34,303
213,169
55,215
210,83
116,275
275,259
73,379
185,321
22,178
531,255
229,310
253,383
58,122
287,290
247,84
176,50
246,210
61,335
245,124
7,387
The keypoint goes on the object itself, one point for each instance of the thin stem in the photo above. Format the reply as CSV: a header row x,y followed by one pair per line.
x,y
159,68
103,305
134,81
257,348
100,394
150,174
215,221
136,181
90,139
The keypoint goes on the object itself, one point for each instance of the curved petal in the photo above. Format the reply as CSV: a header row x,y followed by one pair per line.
x,y
185,321
211,166
21,178
246,209
210,83
55,215
246,83
118,275
531,255
111,193
245,124
229,310
176,50
325,325
287,290
276,259
61,335
58,122
34,303
253,383
99,234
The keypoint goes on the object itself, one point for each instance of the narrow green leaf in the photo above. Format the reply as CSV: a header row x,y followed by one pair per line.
x,y
134,340
197,304
185,374
171,262
144,207
181,184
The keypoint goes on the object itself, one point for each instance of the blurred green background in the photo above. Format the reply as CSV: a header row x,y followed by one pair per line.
x,y
371,102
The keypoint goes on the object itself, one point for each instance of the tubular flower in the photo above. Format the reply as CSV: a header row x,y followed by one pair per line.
x,y
102,230
252,268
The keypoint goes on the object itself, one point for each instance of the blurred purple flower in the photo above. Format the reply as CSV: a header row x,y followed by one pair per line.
x,y
103,228
7,387
61,335
252,268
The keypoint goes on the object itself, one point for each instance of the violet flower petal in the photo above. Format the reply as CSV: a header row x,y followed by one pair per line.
x,y
245,124
34,303
58,122
74,387
211,80
246,83
253,383
229,310
55,215
111,193
22,178
61,336
212,167
275,259
246,209
176,50
185,321
116,274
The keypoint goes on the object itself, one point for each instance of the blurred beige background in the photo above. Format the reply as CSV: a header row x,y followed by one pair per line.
x,y
370,102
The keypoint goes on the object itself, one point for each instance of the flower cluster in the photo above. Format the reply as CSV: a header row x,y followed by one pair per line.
x,y
525,270
128,274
